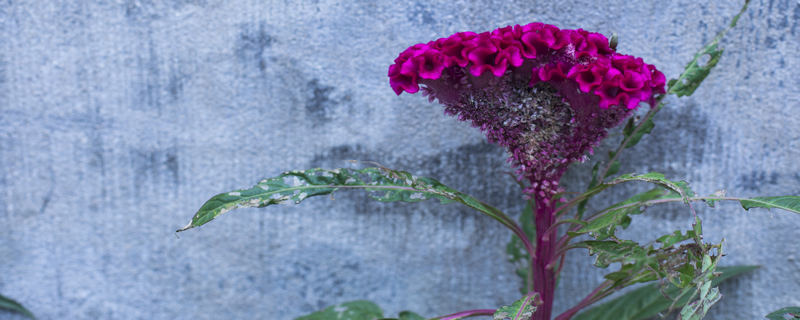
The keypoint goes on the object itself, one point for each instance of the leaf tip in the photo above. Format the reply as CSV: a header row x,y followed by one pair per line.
x,y
186,227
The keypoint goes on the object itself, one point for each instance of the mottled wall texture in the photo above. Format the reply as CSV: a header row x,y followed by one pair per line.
x,y
119,118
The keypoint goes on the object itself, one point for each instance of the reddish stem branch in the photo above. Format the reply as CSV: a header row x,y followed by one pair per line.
x,y
466,314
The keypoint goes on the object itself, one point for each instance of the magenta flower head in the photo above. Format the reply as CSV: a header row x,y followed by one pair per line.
x,y
548,95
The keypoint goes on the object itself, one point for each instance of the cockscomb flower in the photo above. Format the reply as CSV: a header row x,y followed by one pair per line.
x,y
548,95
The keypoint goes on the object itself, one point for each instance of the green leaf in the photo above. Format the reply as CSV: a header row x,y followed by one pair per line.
x,y
681,188
521,309
646,128
516,250
13,306
788,203
695,73
697,310
408,315
605,225
707,293
785,313
672,239
651,300
616,214
295,186
353,310
622,251
680,265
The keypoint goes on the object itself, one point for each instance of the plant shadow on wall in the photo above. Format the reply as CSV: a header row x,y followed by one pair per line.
x,y
547,95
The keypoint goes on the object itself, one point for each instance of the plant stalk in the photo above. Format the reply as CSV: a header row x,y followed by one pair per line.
x,y
544,277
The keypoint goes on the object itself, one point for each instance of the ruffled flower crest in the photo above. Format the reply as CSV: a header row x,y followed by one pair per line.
x,y
548,95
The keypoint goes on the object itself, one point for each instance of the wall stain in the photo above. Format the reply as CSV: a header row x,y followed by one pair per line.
x,y
344,270
3,80
3,68
680,133
146,11
778,19
421,13
151,167
795,18
148,81
176,81
336,156
796,177
152,77
769,42
5,145
5,6
756,179
702,28
49,196
172,165
252,45
319,102
477,169
679,143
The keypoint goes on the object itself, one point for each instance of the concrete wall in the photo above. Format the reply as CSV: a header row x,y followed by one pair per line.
x,y
119,118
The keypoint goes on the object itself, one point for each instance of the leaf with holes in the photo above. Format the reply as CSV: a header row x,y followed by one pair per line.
x,y
681,188
353,310
9,304
605,225
651,300
679,263
607,219
625,252
707,293
788,203
695,72
295,186
521,309
697,310
676,237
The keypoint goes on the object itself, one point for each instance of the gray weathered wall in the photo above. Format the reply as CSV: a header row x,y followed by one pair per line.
x,y
119,118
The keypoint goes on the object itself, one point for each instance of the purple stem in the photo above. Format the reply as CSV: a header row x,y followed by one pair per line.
x,y
543,274
465,314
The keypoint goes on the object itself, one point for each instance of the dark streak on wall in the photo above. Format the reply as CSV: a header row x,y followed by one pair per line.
x,y
757,179
149,166
319,103
253,44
